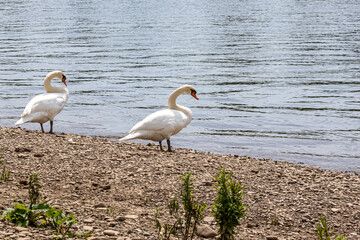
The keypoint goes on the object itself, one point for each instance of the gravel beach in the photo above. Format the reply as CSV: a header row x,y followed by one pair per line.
x,y
113,188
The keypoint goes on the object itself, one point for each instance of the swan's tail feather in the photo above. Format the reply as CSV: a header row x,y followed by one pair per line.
x,y
130,136
21,121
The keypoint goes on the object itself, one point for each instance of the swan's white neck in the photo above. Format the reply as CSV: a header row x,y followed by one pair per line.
x,y
53,89
173,105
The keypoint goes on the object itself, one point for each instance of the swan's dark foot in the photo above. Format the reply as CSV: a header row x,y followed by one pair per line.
x,y
169,146
51,127
161,148
42,128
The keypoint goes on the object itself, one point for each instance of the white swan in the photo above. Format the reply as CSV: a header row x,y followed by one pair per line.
x,y
45,107
162,124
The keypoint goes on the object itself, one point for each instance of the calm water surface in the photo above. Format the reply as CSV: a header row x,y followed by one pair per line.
x,y
276,79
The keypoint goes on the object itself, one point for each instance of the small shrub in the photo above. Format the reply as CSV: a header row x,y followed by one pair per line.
x,y
193,210
26,216
5,175
58,221
34,188
323,232
41,214
165,230
228,208
192,213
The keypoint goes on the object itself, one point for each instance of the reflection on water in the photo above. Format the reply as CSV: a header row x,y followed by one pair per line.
x,y
277,80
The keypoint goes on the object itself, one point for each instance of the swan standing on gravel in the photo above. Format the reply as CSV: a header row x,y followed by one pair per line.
x,y
162,124
45,107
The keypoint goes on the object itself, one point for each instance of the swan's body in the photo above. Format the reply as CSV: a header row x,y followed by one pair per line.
x,y
45,107
163,124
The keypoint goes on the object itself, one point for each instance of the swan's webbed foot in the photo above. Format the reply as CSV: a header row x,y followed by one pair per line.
x,y
161,148
51,127
169,146
42,128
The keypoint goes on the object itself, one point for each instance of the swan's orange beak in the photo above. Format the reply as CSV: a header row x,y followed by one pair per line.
x,y
194,95
64,80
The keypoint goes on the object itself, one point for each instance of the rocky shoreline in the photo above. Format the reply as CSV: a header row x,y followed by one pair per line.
x,y
113,188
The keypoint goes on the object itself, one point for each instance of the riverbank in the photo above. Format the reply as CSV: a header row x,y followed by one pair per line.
x,y
117,186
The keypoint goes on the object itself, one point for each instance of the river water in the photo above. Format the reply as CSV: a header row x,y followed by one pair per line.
x,y
276,79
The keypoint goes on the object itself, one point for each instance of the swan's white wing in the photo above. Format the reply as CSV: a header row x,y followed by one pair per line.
x,y
44,107
159,125
164,120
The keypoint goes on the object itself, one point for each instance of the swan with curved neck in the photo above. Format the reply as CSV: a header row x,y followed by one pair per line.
x,y
45,107
163,124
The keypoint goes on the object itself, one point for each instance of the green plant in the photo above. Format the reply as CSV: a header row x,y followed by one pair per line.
x,y
34,188
41,214
165,230
26,216
192,212
5,175
228,208
323,232
274,221
58,221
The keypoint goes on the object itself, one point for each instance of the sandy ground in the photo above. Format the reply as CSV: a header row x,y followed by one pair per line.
x,y
117,186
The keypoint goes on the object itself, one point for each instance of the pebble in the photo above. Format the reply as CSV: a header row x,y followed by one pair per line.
x,y
209,219
20,229
88,228
100,205
38,154
271,238
111,232
121,218
112,224
131,216
205,231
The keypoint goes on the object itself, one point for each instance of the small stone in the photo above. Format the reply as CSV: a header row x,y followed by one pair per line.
x,y
209,219
20,229
22,149
38,154
131,216
88,228
271,238
111,232
205,231
121,218
88,220
123,238
112,224
100,205
150,144
107,187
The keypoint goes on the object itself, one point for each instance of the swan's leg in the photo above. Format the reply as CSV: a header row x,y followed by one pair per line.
x,y
169,146
51,126
42,128
160,144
